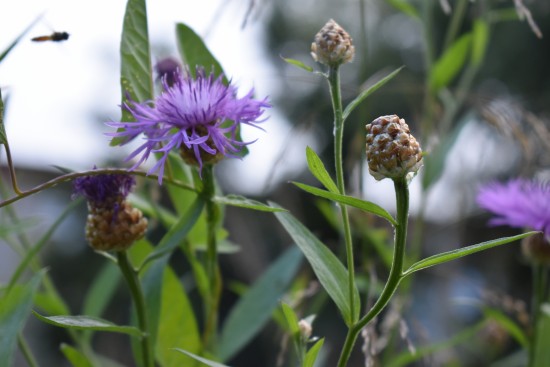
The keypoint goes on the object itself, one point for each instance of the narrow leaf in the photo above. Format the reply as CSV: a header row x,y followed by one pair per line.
x,y
317,168
507,324
367,92
291,319
87,323
194,52
312,353
404,7
200,359
461,252
18,38
331,273
136,78
15,306
177,233
255,307
450,63
480,40
29,256
74,356
3,136
242,202
366,206
298,64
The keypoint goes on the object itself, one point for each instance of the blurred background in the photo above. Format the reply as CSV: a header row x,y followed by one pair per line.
x,y
489,123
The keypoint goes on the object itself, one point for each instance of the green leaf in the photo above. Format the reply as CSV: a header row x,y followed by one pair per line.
x,y
18,38
242,202
366,206
317,168
367,92
298,63
29,256
136,78
291,319
479,42
177,233
312,353
15,305
404,7
194,52
255,307
450,63
331,273
200,359
541,355
81,322
74,356
177,326
461,252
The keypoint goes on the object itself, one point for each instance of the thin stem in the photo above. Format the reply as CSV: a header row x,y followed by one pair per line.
x,y
334,83
26,351
456,21
12,170
539,289
134,285
211,261
396,271
71,176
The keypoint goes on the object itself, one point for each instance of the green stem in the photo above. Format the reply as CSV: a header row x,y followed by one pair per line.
x,y
539,289
211,261
26,351
134,285
334,83
396,271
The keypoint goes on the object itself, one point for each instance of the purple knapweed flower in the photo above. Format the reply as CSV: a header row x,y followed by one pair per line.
x,y
101,189
200,116
518,203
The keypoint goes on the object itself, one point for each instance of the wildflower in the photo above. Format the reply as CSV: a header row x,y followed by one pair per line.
x,y
333,45
518,203
200,116
112,223
392,151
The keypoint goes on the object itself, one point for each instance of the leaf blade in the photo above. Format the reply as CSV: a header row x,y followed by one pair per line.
x,y
81,322
461,252
317,168
331,273
243,202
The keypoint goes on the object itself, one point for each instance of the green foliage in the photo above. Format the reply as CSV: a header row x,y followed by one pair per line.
x,y
200,359
74,356
255,307
15,306
331,273
461,252
242,202
298,64
82,322
541,356
15,42
317,168
450,63
194,52
312,353
366,206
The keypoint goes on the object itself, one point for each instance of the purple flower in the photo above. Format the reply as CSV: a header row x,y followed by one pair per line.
x,y
103,189
518,203
200,116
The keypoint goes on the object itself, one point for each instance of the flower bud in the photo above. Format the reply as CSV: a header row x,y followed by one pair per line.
x,y
392,152
305,329
536,249
112,224
333,45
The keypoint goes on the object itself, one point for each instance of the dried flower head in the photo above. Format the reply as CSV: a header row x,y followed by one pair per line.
x,y
518,203
200,116
536,249
112,223
332,45
167,69
392,152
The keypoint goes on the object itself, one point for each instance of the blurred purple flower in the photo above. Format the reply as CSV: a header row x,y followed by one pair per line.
x,y
103,189
518,203
200,116
168,68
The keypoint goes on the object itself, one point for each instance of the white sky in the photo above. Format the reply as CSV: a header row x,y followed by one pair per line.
x,y
59,91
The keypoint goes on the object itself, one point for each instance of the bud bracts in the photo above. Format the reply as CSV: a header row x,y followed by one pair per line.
x,y
392,152
333,45
114,228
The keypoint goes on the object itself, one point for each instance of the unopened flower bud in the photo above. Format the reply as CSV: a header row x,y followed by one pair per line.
x,y
536,249
305,329
333,45
112,224
392,152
